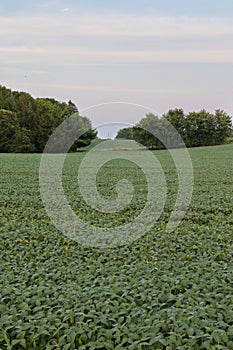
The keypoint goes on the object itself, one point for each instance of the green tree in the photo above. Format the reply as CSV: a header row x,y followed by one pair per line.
x,y
85,133
7,100
12,137
206,129
26,110
223,126
28,123
177,118
195,129
50,114
125,133
77,129
199,129
144,132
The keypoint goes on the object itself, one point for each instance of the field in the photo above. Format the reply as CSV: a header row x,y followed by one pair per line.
x,y
164,291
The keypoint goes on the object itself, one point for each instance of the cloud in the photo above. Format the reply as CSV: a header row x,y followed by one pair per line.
x,y
45,5
75,56
115,39
119,55
118,25
95,88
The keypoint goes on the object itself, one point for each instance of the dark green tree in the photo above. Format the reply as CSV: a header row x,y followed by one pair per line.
x,y
32,121
223,126
206,129
177,118
13,138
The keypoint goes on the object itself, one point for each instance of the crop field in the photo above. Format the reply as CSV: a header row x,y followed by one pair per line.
x,y
164,291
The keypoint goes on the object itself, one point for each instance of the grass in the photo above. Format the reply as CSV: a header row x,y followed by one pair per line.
x,y
164,291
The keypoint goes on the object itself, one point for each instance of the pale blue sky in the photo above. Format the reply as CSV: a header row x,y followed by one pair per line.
x,y
179,7
162,54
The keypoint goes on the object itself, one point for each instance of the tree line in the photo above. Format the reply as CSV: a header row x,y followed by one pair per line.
x,y
195,128
26,123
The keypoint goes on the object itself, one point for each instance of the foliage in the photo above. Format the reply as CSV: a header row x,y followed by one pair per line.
x,y
12,136
165,291
31,121
147,138
125,133
206,129
196,129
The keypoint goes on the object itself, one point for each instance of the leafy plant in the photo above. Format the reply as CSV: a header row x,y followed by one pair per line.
x,y
165,291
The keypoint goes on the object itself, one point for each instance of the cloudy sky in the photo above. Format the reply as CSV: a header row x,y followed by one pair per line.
x,y
157,53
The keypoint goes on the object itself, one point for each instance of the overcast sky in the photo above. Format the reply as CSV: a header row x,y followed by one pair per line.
x,y
157,53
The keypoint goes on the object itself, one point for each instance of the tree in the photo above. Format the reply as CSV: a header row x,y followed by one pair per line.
x,y
9,126
27,123
195,129
177,118
7,100
206,129
199,129
12,137
22,143
73,107
75,129
50,114
26,110
223,126
125,133
84,137
144,132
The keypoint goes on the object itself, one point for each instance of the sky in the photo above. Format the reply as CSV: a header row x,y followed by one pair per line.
x,y
112,58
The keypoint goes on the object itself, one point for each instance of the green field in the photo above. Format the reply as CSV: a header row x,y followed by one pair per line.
x,y
164,291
